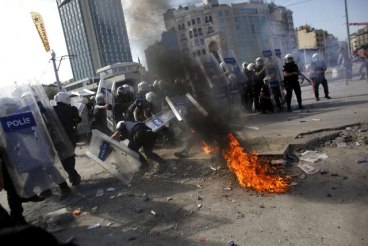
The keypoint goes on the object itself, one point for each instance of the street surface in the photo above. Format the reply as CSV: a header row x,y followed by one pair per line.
x,y
197,201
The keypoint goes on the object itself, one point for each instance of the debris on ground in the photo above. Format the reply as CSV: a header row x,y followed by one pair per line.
x,y
308,169
312,156
362,160
94,226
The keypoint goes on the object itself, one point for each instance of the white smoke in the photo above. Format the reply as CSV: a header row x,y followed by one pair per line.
x,y
145,22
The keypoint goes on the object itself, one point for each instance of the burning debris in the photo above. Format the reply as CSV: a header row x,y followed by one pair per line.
x,y
250,172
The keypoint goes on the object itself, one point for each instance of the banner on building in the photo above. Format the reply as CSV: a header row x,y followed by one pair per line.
x,y
40,26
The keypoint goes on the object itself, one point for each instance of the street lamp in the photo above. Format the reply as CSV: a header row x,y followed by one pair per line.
x,y
56,68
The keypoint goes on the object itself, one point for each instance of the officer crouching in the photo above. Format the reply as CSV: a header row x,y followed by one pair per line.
x,y
139,136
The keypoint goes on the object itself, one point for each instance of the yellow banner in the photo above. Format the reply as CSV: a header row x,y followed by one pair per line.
x,y
37,19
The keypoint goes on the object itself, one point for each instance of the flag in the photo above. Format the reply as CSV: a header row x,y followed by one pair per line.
x,y
37,20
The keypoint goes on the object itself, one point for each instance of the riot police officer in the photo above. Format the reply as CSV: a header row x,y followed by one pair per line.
x,y
318,68
69,118
99,118
125,97
291,75
139,136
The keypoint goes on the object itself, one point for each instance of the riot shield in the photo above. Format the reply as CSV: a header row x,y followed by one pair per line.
x,y
228,57
84,127
113,156
26,145
220,90
60,139
105,88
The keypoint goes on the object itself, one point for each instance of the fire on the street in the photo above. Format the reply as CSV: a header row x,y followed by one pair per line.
x,y
208,149
248,169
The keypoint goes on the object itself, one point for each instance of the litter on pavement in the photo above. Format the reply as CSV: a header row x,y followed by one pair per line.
x,y
312,156
308,169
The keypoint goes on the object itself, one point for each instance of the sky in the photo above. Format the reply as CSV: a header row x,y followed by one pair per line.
x,y
23,58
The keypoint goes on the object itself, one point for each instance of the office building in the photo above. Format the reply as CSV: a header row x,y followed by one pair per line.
x,y
95,34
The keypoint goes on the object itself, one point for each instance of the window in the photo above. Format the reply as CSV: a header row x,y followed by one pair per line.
x,y
198,20
203,51
210,18
195,32
198,52
200,32
190,34
188,23
206,19
193,21
210,30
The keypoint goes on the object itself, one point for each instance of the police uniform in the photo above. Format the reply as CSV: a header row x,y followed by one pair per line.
x,y
291,83
69,118
139,135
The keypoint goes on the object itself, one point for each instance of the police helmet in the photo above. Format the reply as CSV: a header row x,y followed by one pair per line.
x,y
155,83
100,98
315,57
120,124
289,58
259,61
124,90
250,67
62,97
244,65
143,86
151,97
267,80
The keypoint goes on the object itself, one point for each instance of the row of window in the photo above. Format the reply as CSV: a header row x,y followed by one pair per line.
x,y
207,19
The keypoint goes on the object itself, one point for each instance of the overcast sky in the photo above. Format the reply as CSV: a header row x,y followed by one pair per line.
x,y
23,58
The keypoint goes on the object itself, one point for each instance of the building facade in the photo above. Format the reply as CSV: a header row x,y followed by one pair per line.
x,y
311,40
95,34
249,28
359,39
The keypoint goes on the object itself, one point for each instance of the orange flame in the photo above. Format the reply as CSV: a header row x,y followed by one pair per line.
x,y
208,149
249,171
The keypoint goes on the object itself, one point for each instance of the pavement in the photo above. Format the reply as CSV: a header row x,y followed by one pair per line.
x,y
274,133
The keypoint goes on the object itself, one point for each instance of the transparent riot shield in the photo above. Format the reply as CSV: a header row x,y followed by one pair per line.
x,y
233,66
105,88
272,70
60,139
220,84
30,156
84,127
113,156
235,75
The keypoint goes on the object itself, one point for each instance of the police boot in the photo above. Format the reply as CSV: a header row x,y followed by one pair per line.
x,y
65,190
75,180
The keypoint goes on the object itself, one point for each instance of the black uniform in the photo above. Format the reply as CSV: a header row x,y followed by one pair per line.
x,y
121,106
259,75
291,83
140,135
69,118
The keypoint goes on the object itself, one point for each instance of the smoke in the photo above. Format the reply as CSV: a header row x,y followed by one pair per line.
x,y
144,21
